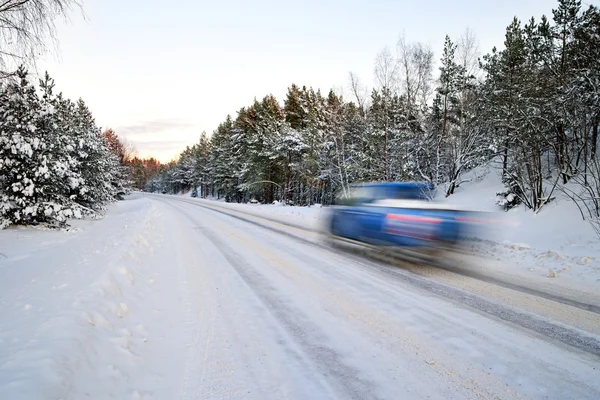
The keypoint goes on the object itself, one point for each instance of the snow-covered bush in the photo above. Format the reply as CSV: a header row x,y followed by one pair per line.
x,y
507,200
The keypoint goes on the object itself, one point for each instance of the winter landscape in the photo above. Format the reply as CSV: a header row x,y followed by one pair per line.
x,y
140,263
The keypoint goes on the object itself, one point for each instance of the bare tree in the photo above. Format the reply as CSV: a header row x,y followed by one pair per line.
x,y
26,26
467,57
386,70
415,66
358,90
423,61
467,53
129,151
404,52
386,76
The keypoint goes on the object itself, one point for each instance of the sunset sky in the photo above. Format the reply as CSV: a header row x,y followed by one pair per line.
x,y
160,73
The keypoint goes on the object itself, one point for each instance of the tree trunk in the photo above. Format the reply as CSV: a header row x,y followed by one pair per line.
x,y
267,192
385,156
453,179
287,169
505,160
562,154
594,137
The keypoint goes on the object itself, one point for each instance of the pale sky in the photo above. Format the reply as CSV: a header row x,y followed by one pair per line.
x,y
159,73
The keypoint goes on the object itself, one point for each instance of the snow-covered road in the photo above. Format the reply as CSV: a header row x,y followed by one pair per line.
x,y
178,299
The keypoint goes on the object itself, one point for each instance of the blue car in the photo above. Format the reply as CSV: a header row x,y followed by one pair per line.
x,y
400,214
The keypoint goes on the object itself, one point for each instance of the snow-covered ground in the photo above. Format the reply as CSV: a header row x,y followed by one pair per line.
x,y
89,313
166,298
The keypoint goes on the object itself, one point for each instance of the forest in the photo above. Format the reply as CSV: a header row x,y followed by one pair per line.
x,y
533,107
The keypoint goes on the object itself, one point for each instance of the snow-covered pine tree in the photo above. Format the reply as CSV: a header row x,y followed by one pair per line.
x,y
222,162
336,135
201,173
268,134
39,171
315,158
464,142
354,125
100,168
386,120
59,127
451,81
296,111
23,162
502,93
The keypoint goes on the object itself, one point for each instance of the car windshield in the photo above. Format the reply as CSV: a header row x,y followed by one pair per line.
x,y
370,193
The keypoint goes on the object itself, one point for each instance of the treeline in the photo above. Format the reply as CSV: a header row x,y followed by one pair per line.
x,y
144,169
55,163
535,106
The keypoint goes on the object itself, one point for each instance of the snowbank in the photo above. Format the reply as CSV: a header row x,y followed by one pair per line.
x,y
77,312
553,243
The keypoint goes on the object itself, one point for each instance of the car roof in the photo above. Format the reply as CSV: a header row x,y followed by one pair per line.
x,y
399,185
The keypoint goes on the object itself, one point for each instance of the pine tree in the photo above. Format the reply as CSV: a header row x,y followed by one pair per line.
x,y
223,169
23,162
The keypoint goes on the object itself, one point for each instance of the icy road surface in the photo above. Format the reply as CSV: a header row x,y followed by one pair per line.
x,y
169,298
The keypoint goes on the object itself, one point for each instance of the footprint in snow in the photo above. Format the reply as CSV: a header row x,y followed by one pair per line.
x,y
138,396
126,273
64,285
122,310
585,260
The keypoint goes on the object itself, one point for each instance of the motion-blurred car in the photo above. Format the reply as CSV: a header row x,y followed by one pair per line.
x,y
398,214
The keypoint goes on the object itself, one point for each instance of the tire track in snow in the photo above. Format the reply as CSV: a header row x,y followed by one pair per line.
x,y
207,364
328,362
236,348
